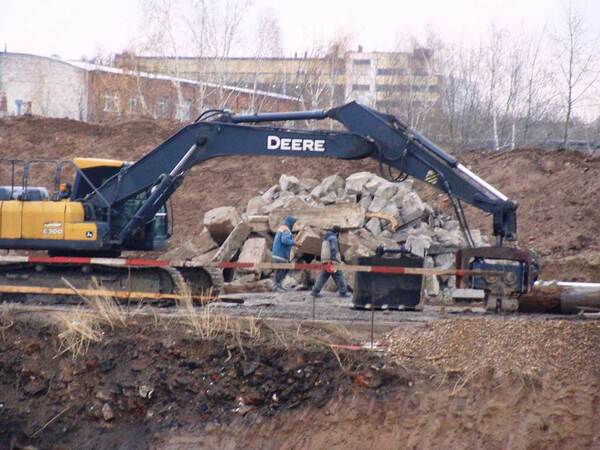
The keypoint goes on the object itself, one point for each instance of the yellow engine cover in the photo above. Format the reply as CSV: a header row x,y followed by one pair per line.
x,y
45,220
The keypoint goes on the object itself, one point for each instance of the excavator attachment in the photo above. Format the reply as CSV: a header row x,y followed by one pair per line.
x,y
511,273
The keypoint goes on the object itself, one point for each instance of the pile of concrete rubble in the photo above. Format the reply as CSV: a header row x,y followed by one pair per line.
x,y
370,210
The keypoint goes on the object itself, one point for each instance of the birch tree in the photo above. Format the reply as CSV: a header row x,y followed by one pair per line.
x,y
578,56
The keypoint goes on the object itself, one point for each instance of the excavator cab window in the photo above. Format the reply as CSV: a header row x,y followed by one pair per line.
x,y
96,175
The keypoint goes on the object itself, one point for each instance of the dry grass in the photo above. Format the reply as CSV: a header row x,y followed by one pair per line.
x,y
6,320
82,327
79,329
206,322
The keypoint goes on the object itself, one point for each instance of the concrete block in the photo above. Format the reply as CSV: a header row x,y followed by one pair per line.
x,y
308,184
256,205
374,226
254,250
418,244
444,260
309,241
258,224
233,243
451,239
332,184
374,183
412,207
288,202
270,194
469,295
355,183
347,216
289,183
386,190
221,221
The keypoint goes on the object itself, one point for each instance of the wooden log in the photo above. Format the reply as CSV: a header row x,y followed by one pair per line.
x,y
390,219
240,288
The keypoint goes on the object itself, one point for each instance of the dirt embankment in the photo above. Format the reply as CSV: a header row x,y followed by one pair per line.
x,y
556,191
146,387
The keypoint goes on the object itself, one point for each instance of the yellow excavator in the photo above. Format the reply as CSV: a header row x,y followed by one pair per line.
x,y
114,206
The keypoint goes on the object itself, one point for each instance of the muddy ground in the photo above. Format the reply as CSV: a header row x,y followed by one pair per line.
x,y
557,191
266,384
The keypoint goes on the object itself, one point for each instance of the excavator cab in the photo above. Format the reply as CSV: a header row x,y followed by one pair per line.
x,y
61,223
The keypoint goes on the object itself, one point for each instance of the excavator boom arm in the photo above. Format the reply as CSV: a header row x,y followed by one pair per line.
x,y
369,134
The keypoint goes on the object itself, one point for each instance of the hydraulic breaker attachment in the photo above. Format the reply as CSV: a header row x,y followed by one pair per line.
x,y
515,273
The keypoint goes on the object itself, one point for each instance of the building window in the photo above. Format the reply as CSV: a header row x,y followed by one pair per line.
x,y
391,71
184,110
133,104
161,107
362,62
107,102
360,87
111,102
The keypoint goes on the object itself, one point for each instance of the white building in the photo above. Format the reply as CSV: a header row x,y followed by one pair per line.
x,y
42,86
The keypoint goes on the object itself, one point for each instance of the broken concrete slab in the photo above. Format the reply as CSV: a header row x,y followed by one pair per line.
x,y
233,243
291,202
333,184
355,183
203,259
347,216
220,222
308,184
412,208
372,185
450,239
386,190
258,224
377,204
309,241
418,244
374,226
468,295
444,260
289,183
271,193
254,251
256,205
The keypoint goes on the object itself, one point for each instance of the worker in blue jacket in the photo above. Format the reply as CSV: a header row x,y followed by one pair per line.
x,y
282,247
330,253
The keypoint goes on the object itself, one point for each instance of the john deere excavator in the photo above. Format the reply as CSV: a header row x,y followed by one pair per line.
x,y
114,206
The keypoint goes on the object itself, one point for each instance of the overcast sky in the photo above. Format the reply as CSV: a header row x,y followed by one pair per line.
x,y
73,28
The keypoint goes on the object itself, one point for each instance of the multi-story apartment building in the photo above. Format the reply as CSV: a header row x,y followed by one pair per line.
x,y
385,80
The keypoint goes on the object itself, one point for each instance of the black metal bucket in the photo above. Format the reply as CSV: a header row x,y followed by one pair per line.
x,y
388,291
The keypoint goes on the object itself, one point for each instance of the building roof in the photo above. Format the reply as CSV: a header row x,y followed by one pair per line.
x,y
96,67
157,76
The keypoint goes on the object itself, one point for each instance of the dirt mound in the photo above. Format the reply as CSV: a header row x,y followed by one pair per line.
x,y
158,385
556,190
147,379
559,349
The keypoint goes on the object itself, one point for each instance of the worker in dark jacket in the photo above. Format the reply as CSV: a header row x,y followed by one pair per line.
x,y
330,253
282,247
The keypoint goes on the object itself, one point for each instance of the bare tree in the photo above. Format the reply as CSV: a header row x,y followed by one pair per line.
x,y
578,63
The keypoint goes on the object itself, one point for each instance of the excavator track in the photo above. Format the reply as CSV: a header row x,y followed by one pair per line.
x,y
40,279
